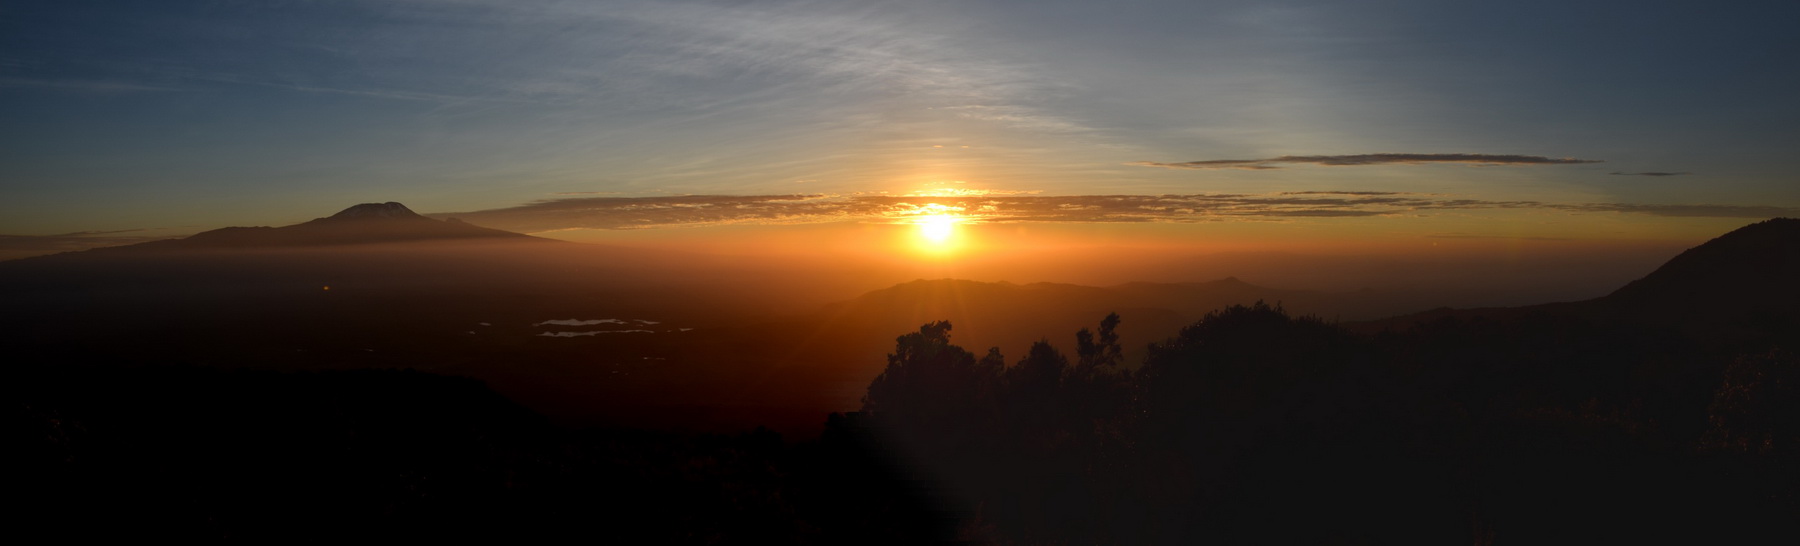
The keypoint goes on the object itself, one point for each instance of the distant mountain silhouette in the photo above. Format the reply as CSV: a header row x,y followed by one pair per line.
x,y
365,223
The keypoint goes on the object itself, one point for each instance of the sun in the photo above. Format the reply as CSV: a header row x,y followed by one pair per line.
x,y
937,228
937,232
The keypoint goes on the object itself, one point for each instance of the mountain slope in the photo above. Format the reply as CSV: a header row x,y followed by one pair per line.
x,y
1742,287
1736,289
1753,265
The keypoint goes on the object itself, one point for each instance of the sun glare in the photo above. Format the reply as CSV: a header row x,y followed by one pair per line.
x,y
937,228
937,232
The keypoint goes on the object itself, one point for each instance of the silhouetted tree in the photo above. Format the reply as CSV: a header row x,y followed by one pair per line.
x,y
1034,398
931,382
1104,352
936,399
1235,362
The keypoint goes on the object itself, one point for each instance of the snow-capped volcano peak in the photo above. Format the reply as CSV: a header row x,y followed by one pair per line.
x,y
364,211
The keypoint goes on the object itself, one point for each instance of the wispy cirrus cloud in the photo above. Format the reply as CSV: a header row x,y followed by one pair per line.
x,y
1272,163
700,210
685,61
98,86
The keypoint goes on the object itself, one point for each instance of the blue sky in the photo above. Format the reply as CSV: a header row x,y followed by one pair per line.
x,y
180,116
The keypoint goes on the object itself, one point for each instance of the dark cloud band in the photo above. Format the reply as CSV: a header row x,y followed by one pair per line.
x,y
1369,159
647,212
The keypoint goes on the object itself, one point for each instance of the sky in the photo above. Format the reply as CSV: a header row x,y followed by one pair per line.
x,y
1285,123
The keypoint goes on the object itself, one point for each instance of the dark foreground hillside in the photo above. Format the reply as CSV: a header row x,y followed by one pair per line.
x,y
1254,427
1249,427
